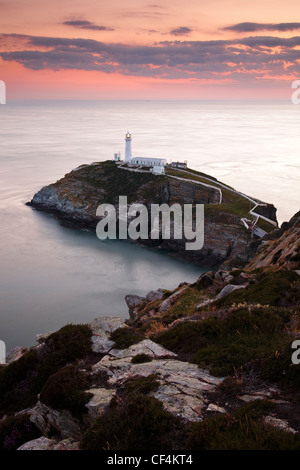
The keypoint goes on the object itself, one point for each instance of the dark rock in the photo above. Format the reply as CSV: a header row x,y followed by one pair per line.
x,y
133,302
155,295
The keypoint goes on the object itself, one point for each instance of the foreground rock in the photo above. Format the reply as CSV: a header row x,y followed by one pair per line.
x,y
182,386
44,443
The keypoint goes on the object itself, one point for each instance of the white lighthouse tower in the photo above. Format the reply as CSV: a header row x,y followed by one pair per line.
x,y
128,154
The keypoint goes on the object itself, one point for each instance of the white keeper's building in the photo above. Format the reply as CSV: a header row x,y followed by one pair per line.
x,y
156,164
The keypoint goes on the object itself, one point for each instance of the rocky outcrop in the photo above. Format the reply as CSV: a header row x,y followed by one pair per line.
x,y
74,200
101,328
44,443
133,302
281,249
48,420
182,386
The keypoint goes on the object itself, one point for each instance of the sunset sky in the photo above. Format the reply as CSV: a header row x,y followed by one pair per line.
x,y
135,49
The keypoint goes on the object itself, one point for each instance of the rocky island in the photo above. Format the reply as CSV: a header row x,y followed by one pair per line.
x,y
74,200
210,365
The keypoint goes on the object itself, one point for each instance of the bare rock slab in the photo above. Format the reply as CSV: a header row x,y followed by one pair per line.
x,y
182,386
146,346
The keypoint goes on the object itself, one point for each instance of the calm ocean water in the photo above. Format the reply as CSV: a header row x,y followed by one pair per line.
x,y
51,275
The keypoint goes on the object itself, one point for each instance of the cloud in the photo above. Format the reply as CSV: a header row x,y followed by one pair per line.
x,y
181,31
245,59
83,24
155,5
249,27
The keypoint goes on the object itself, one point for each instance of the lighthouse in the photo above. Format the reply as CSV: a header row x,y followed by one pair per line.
x,y
128,154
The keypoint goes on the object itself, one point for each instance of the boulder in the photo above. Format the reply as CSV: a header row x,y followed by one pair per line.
x,y
155,295
100,400
101,328
215,408
227,290
146,346
133,302
42,443
47,419
204,281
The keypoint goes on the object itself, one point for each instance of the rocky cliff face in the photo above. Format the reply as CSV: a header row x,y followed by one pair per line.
x,y
280,249
74,200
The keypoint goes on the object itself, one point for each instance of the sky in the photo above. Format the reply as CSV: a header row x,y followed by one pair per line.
x,y
135,49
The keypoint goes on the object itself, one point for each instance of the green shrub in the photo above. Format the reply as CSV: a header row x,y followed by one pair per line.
x,y
278,367
224,344
241,430
133,421
125,337
66,345
270,288
140,358
141,385
15,431
22,380
65,390
16,383
137,423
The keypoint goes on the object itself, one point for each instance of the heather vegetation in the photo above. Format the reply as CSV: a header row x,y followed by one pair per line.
x,y
22,380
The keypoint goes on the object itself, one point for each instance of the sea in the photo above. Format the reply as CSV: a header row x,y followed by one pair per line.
x,y
52,275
